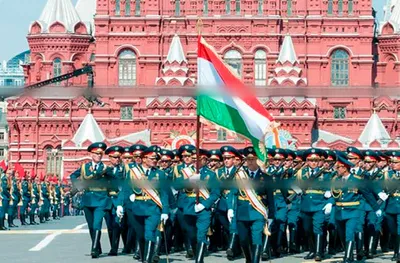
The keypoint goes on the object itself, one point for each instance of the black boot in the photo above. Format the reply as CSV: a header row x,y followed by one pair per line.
x,y
375,243
189,250
311,254
231,253
247,253
348,253
266,252
292,241
396,250
332,241
157,247
319,246
200,252
114,242
2,227
359,246
128,247
22,218
279,244
256,254
371,241
148,252
138,253
96,244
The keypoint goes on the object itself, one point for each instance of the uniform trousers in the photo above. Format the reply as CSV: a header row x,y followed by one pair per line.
x,y
393,221
313,222
197,226
94,217
347,228
253,229
145,226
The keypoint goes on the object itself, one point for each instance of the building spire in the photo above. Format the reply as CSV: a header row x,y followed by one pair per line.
x,y
374,130
88,130
175,52
61,11
87,10
287,53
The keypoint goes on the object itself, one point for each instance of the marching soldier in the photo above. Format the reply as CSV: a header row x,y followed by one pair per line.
x,y
34,201
26,199
115,174
253,206
4,198
92,178
57,199
14,200
315,203
392,179
149,202
44,201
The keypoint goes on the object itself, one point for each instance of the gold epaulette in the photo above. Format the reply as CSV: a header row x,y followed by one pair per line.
x,y
358,177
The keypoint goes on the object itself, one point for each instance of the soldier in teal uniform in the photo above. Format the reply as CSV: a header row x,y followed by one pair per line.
x,y
57,202
227,172
198,215
15,196
45,200
392,180
34,201
187,153
252,217
4,198
92,178
26,199
373,176
115,173
314,203
355,156
347,192
149,205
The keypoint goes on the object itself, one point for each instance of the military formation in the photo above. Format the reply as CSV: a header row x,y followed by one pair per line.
x,y
158,202
32,199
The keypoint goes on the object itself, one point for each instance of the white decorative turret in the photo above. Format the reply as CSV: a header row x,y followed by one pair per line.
x,y
175,70
58,11
88,130
391,16
287,72
87,10
374,131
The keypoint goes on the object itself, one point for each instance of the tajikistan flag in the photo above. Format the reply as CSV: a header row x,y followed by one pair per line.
x,y
225,101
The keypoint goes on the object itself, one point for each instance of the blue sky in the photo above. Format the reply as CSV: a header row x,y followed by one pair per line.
x,y
16,16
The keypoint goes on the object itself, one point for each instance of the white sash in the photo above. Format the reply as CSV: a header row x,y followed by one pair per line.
x,y
187,173
148,190
255,203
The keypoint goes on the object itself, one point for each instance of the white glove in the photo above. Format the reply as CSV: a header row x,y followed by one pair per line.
x,y
195,177
297,190
132,197
327,194
230,215
378,213
383,196
270,222
164,218
120,211
327,209
198,207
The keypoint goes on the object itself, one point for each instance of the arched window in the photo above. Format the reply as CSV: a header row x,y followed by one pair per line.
x,y
340,7
330,7
350,6
340,68
54,161
260,7
221,135
128,8
228,7
234,59
205,8
237,7
127,68
137,8
57,69
260,68
117,7
177,7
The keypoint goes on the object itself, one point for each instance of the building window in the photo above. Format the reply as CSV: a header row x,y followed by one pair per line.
x,y
330,7
137,8
234,59
42,113
293,110
228,7
350,6
127,68
340,7
289,7
177,7
260,71
54,112
339,112
53,161
237,7
117,7
205,8
66,113
167,110
57,69
221,135
340,68
281,110
128,8
2,152
180,111
126,113
1,135
260,7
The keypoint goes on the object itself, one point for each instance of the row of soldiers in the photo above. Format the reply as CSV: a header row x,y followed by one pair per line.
x,y
31,197
157,200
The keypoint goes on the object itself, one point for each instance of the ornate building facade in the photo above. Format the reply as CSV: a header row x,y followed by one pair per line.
x,y
144,44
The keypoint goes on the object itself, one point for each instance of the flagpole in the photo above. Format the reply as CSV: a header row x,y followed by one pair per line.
x,y
199,26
